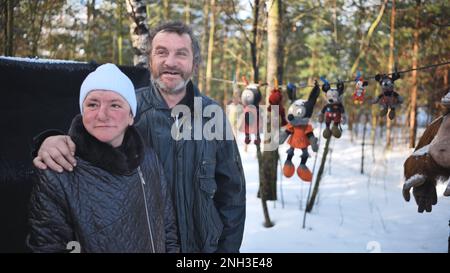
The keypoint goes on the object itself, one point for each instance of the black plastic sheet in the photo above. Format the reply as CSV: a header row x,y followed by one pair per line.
x,y
35,95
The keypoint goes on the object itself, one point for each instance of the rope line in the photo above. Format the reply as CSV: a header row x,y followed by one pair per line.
x,y
303,85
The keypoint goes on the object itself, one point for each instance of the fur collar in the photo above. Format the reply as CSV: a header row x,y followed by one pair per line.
x,y
121,160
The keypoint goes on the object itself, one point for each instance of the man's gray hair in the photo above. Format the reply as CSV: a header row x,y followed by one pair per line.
x,y
180,28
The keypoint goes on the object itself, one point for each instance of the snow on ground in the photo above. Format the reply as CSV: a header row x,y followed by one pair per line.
x,y
353,213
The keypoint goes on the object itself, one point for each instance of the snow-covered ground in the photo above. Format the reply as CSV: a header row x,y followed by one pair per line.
x,y
353,213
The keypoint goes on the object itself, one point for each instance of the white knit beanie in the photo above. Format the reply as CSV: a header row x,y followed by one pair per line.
x,y
109,77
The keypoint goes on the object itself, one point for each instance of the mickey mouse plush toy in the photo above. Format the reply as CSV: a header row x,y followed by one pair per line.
x,y
389,99
333,110
360,90
300,133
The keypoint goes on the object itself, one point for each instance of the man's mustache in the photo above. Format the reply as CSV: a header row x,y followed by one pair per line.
x,y
170,71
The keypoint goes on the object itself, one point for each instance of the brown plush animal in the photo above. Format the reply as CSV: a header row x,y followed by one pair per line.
x,y
430,162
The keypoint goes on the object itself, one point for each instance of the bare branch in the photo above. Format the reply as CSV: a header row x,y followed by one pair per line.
x,y
237,21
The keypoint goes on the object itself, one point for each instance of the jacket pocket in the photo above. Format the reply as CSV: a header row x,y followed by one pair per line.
x,y
208,186
212,224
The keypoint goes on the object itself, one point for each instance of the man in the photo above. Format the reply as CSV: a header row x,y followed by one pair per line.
x,y
205,176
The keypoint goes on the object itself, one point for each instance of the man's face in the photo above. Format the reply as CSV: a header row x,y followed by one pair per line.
x,y
171,61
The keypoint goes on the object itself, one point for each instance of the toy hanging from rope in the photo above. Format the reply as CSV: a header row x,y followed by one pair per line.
x,y
250,98
276,98
388,99
334,110
300,133
360,90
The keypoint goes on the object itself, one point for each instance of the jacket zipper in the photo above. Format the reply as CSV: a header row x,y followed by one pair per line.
x,y
141,176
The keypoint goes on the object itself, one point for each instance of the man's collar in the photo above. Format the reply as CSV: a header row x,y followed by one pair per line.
x,y
188,99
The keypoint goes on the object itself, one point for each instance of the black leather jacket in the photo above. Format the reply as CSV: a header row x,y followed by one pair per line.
x,y
115,200
205,176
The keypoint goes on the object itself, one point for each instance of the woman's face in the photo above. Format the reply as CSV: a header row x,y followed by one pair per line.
x,y
106,116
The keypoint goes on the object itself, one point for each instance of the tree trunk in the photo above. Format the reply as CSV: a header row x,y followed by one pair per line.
x,y
212,31
351,117
90,8
373,131
119,33
139,31
315,191
391,69
204,46
363,144
253,49
33,9
413,113
366,41
9,30
269,159
224,67
187,12
446,77
166,10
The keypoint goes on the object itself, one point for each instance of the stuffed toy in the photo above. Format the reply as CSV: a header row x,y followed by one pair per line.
x,y
388,99
360,90
234,109
300,133
276,98
334,110
250,99
430,162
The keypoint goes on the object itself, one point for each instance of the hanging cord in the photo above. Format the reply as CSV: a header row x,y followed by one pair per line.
x,y
400,72
313,171
303,85
421,68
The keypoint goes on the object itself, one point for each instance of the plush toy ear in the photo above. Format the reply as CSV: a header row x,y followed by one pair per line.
x,y
312,99
378,77
325,85
395,76
275,83
316,84
244,79
365,83
340,87
358,76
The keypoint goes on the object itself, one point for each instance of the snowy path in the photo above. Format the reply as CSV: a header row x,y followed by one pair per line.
x,y
354,213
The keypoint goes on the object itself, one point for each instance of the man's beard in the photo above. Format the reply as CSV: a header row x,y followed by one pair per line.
x,y
172,91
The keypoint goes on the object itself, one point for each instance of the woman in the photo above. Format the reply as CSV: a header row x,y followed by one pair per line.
x,y
116,199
